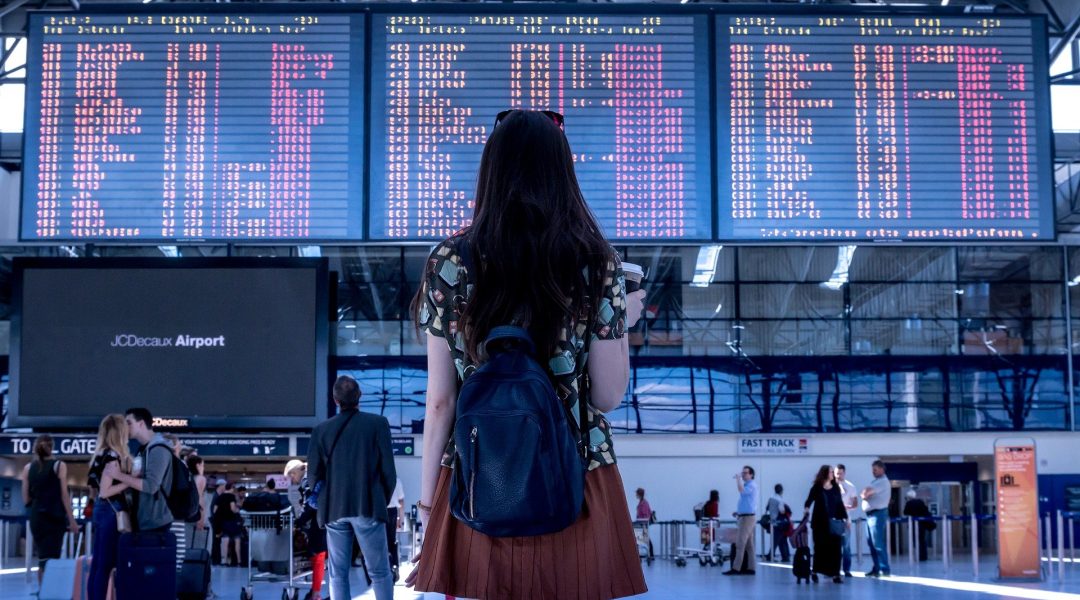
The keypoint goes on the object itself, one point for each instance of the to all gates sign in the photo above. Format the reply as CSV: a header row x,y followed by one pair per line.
x,y
774,445
63,445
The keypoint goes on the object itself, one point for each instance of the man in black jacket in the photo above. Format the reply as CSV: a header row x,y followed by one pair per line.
x,y
915,507
351,456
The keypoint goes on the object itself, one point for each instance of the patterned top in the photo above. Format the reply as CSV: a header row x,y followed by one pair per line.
x,y
446,289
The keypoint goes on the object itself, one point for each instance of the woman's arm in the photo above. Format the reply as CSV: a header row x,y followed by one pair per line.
x,y
609,361
438,414
110,487
810,499
24,477
609,372
65,498
200,485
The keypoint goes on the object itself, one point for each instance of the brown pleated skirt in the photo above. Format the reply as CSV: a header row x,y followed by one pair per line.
x,y
596,558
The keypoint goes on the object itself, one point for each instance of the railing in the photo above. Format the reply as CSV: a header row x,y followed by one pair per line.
x,y
943,541
7,535
1063,524
1057,547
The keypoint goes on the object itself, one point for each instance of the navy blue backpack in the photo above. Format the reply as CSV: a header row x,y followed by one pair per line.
x,y
519,468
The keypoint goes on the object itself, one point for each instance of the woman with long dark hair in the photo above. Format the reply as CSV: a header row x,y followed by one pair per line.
x,y
45,494
536,259
197,467
826,521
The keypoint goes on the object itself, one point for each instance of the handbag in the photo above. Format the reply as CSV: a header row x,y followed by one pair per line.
x,y
837,527
123,518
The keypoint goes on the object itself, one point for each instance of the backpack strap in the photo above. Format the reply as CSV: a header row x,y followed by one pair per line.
x,y
168,476
330,454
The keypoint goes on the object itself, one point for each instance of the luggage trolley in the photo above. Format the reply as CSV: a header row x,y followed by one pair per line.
x,y
278,522
711,552
641,536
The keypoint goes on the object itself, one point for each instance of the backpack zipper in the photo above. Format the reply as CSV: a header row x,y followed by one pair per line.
x,y
472,476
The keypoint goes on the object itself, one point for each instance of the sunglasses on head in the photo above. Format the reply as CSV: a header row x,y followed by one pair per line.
x,y
554,116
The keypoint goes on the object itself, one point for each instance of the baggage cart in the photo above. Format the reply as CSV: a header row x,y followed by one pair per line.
x,y
280,522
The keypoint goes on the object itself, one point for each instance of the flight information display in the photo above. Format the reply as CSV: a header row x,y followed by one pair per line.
x,y
176,126
634,90
883,128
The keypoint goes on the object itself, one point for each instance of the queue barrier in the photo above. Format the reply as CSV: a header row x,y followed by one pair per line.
x,y
943,538
70,541
673,535
1062,528
10,532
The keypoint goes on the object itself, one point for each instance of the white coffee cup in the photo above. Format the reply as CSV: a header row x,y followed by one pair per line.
x,y
634,274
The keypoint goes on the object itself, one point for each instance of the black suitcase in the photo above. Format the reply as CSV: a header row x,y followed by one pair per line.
x,y
146,566
800,565
194,580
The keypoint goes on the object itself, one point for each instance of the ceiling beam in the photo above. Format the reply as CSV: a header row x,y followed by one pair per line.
x,y
1054,16
1066,39
10,7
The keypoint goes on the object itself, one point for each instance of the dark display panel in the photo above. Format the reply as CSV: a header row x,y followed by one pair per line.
x,y
634,90
195,339
883,128
177,126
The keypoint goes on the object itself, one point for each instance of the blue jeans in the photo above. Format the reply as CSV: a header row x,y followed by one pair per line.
x,y
106,542
876,522
845,551
372,537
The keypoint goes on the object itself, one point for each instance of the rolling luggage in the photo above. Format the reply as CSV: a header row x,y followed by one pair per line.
x,y
800,564
146,566
65,578
59,580
194,580
82,578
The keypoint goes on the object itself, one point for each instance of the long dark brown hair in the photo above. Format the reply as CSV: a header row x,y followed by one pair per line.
x,y
43,448
822,475
531,237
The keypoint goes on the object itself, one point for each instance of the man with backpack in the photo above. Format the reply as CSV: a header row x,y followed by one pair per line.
x,y
351,456
779,514
165,492
148,475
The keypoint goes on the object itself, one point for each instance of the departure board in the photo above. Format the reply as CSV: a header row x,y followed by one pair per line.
x,y
883,128
634,90
176,126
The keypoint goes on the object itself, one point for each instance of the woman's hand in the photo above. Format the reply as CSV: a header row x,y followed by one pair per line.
x,y
411,579
635,307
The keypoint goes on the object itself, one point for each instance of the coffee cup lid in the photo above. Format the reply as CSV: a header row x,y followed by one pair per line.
x,y
632,268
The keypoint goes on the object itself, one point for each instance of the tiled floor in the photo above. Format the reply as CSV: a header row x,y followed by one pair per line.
x,y
666,581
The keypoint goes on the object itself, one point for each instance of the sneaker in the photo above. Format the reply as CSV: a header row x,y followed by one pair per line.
x,y
885,574
873,573
847,574
733,572
747,572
